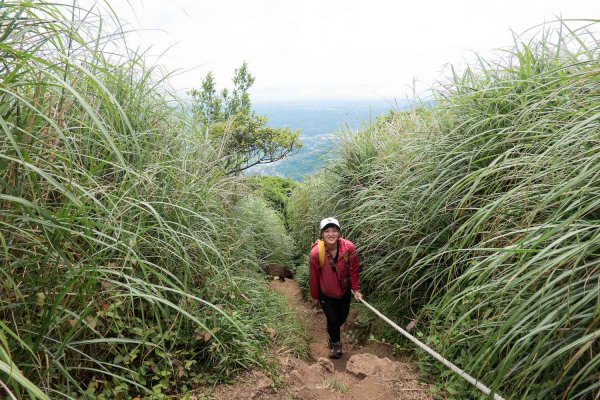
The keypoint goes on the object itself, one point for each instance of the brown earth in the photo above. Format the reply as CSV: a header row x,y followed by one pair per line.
x,y
363,373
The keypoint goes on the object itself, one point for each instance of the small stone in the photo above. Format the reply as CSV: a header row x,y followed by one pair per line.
x,y
263,384
326,364
296,376
363,365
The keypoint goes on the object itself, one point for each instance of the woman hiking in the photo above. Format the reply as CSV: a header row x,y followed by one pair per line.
x,y
333,274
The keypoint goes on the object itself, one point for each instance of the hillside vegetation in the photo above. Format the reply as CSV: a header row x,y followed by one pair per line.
x,y
130,265
480,217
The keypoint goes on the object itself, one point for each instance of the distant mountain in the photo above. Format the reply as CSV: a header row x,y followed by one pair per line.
x,y
320,122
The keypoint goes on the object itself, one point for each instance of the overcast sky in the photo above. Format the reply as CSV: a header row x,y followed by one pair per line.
x,y
322,49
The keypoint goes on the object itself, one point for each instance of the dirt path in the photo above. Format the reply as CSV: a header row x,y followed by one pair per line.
x,y
363,373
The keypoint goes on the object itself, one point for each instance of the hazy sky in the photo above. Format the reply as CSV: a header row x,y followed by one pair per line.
x,y
307,49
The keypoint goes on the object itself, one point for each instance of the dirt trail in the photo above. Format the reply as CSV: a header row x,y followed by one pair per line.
x,y
363,373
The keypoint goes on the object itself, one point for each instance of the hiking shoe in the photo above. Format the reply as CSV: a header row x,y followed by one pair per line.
x,y
336,350
333,353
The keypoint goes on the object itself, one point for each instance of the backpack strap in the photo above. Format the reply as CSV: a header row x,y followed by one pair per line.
x,y
321,247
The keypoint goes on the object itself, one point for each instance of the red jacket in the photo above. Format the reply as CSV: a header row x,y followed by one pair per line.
x,y
324,280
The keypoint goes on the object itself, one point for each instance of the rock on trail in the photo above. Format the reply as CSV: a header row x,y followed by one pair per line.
x,y
359,374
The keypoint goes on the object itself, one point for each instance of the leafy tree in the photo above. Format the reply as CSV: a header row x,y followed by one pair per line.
x,y
243,137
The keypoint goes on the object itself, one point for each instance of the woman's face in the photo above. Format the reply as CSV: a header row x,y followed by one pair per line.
x,y
331,235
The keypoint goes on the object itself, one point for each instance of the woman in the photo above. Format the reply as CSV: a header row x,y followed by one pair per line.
x,y
332,276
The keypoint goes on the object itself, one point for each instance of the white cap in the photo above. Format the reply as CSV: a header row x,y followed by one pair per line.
x,y
328,221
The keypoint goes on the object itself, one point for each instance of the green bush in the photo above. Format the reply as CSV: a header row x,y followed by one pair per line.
x,y
276,190
262,234
301,276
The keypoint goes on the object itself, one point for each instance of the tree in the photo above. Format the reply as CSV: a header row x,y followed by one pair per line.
x,y
244,138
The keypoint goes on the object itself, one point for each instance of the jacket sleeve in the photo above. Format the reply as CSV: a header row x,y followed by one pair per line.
x,y
313,277
354,269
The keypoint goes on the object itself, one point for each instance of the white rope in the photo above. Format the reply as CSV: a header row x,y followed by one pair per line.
x,y
435,355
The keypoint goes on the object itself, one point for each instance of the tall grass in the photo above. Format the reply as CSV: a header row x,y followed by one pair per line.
x,y
481,215
120,268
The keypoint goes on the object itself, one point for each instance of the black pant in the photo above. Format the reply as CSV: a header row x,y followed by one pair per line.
x,y
336,311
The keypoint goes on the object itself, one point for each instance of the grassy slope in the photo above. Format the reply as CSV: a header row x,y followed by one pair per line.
x,y
481,217
128,265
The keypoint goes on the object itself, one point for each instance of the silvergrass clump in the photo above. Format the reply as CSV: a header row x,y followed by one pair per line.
x,y
118,274
480,214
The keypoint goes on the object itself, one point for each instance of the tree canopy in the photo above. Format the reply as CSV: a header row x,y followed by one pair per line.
x,y
243,137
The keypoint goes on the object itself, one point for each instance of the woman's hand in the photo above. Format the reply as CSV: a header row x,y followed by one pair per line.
x,y
357,295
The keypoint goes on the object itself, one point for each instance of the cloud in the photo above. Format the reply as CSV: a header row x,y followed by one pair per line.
x,y
336,47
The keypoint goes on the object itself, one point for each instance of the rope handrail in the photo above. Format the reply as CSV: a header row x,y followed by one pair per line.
x,y
435,355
